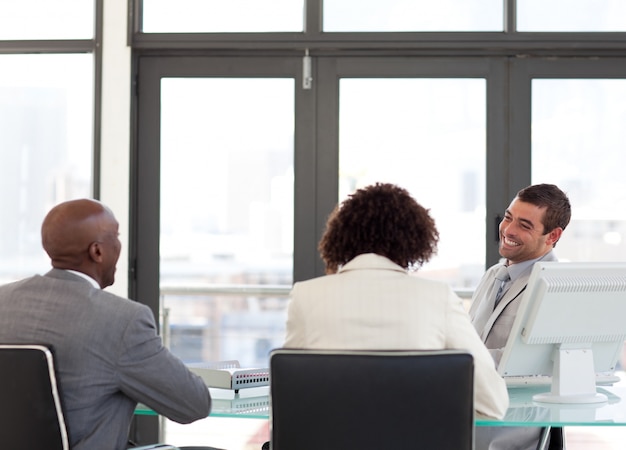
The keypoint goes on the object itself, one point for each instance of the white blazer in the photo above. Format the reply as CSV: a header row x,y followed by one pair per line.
x,y
374,304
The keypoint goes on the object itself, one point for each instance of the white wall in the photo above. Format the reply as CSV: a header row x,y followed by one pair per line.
x,y
115,137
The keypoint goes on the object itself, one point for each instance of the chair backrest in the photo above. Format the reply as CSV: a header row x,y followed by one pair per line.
x,y
31,416
338,400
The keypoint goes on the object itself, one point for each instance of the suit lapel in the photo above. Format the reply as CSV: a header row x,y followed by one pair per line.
x,y
514,292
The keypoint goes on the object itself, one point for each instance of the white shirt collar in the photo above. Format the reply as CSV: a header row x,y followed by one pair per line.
x,y
93,282
516,270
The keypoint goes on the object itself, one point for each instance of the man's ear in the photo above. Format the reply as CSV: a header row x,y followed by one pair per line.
x,y
554,236
95,251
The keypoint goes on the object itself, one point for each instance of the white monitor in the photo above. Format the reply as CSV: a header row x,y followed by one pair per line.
x,y
571,325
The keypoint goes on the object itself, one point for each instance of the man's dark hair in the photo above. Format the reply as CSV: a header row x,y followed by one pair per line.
x,y
549,196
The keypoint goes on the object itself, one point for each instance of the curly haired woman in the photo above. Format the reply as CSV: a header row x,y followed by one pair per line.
x,y
369,301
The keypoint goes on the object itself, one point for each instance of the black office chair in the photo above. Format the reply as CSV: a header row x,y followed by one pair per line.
x,y
554,436
31,414
337,400
31,409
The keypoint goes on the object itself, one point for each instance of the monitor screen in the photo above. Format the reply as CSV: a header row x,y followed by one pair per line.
x,y
571,325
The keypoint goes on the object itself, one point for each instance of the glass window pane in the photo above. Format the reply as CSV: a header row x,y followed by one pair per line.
x,y
428,136
46,19
413,15
226,214
218,16
578,141
46,149
571,15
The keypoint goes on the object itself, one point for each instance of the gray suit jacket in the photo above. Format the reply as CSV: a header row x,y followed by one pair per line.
x,y
494,334
108,354
499,321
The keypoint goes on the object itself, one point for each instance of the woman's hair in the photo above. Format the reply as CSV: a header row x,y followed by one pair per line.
x,y
381,218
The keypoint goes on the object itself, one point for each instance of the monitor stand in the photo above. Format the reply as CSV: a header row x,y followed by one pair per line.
x,y
573,377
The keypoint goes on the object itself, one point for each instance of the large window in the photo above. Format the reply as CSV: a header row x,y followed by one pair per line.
x,y
45,19
413,15
571,15
429,136
273,111
259,140
226,212
218,16
578,127
46,122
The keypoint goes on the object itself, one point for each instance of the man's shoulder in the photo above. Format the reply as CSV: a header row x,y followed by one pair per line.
x,y
12,284
25,283
118,301
550,256
489,273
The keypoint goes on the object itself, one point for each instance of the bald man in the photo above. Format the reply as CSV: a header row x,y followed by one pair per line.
x,y
109,356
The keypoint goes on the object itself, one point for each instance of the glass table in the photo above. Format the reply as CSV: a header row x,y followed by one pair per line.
x,y
522,412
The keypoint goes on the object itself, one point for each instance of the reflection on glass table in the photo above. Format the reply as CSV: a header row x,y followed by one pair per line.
x,y
253,403
524,411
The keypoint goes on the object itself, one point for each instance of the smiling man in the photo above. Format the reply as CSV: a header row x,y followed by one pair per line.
x,y
532,225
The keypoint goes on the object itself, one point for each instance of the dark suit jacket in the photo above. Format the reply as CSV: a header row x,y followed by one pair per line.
x,y
108,354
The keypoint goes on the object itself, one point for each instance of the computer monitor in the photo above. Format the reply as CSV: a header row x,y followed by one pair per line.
x,y
571,325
